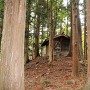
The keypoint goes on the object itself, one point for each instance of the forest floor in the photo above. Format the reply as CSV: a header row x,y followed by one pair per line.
x,y
57,76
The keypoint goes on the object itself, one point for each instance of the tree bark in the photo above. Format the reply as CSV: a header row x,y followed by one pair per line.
x,y
33,45
85,33
27,31
42,38
67,20
51,35
37,37
74,39
79,36
70,48
12,48
87,86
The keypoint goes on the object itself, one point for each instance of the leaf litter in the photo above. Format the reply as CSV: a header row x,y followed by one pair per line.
x,y
39,75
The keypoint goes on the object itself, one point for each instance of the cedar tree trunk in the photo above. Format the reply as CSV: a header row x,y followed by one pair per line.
x,y
12,48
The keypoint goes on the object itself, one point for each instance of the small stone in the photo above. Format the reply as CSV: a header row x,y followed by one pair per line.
x,y
69,82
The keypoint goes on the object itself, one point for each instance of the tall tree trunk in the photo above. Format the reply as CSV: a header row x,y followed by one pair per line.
x,y
27,31
87,86
37,37
12,49
74,39
1,29
79,36
55,22
67,20
33,45
85,33
42,40
51,34
80,40
55,19
70,48
48,18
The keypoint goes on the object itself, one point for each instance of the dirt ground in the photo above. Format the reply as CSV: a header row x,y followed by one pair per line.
x,y
57,76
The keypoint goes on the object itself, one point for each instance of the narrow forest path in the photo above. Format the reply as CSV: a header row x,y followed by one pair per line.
x,y
40,76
